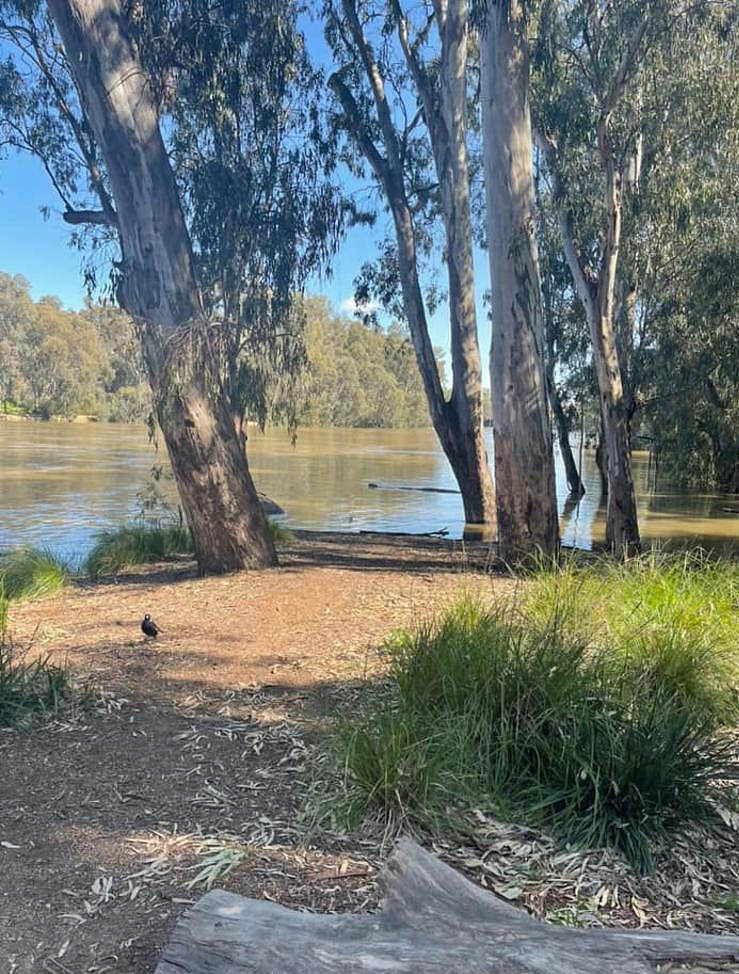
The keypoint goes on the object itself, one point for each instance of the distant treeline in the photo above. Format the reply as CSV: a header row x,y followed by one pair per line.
x,y
55,362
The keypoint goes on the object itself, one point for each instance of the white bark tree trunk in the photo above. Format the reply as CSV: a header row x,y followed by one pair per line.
x,y
449,139
524,462
459,421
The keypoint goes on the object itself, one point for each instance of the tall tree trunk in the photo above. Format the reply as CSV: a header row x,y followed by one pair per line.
x,y
572,474
159,289
450,148
524,461
601,460
574,481
622,526
458,422
596,292
455,422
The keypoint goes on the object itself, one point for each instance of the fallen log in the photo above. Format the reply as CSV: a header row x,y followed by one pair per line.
x,y
432,921
426,490
441,533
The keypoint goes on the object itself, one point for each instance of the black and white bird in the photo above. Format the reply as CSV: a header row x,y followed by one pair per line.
x,y
149,627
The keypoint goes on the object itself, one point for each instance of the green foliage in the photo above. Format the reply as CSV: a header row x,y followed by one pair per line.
x,y
592,705
55,362
132,545
252,164
358,375
142,544
353,376
32,573
28,688
673,131
280,533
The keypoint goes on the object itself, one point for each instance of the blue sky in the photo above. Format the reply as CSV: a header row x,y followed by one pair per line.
x,y
38,247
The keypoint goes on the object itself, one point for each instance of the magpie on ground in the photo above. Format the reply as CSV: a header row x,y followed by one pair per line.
x,y
149,627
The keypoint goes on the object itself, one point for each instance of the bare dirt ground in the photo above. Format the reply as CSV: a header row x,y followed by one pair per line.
x,y
198,741
197,747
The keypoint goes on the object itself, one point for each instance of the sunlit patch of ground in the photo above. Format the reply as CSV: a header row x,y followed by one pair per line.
x,y
193,766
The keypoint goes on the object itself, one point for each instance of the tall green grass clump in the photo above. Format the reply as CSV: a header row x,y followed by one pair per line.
x,y
132,545
31,573
141,544
27,688
593,704
280,533
673,618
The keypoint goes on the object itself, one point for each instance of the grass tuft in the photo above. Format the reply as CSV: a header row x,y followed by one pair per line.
x,y
280,533
27,688
31,573
593,704
134,544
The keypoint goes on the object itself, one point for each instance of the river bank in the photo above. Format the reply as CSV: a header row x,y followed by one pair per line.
x,y
202,742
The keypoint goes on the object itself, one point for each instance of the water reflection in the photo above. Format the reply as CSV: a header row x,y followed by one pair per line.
x,y
59,483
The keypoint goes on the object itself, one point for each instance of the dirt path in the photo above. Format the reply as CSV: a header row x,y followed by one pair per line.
x,y
197,750
198,743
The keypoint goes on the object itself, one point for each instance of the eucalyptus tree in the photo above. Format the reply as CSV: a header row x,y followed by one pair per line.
x,y
588,124
185,136
683,243
636,115
401,94
567,366
524,461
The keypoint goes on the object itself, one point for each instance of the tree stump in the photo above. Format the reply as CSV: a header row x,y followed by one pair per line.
x,y
432,921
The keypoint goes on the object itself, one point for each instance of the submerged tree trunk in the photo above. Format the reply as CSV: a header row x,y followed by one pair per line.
x,y
457,422
601,461
574,481
450,148
596,292
622,526
524,461
158,288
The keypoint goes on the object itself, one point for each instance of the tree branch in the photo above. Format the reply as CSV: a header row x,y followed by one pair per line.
x,y
581,273
357,127
628,58
389,133
100,217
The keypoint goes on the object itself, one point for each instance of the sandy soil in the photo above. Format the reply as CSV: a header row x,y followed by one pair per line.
x,y
197,749
196,741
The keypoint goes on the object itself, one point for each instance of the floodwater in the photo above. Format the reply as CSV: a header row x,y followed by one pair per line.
x,y
62,482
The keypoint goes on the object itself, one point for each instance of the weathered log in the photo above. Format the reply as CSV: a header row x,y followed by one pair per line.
x,y
433,921
441,533
426,490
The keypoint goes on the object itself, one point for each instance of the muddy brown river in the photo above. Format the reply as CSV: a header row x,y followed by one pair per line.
x,y
62,482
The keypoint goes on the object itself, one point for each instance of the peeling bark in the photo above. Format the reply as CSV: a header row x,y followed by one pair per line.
x,y
158,288
524,461
458,422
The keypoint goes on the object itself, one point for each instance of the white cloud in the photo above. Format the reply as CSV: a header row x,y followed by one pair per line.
x,y
350,307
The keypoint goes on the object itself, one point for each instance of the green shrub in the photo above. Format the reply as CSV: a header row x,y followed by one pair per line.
x,y
133,544
31,573
674,614
26,688
593,705
280,533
